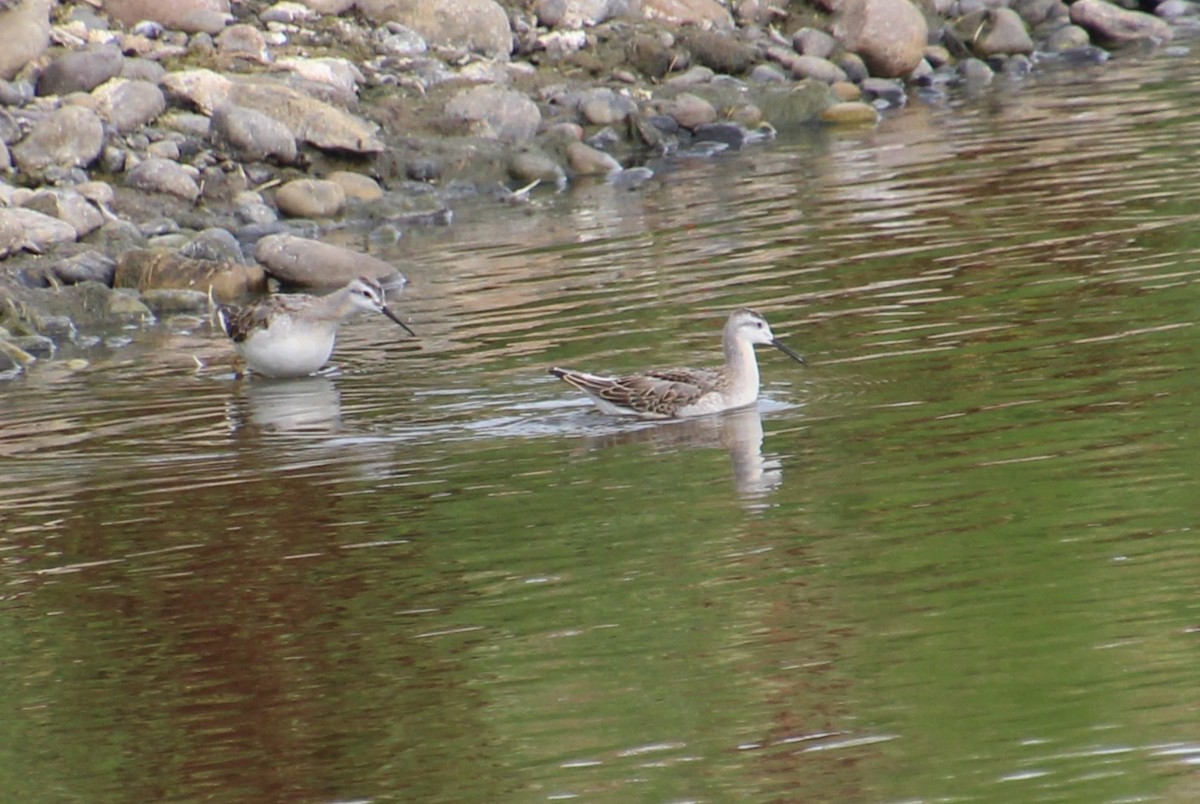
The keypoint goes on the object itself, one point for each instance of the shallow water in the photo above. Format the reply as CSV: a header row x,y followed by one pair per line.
x,y
953,559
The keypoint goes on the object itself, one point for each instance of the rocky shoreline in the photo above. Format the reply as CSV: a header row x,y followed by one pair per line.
x,y
157,154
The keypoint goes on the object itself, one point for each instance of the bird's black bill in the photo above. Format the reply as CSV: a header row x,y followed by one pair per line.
x,y
787,350
386,311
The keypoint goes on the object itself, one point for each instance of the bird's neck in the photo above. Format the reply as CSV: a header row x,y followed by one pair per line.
x,y
335,306
740,362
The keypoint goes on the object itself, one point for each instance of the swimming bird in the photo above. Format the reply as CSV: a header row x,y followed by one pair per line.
x,y
679,393
292,335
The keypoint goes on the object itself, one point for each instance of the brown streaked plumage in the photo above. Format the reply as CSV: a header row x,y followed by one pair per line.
x,y
683,392
292,335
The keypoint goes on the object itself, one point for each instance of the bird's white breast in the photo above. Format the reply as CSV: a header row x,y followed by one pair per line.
x,y
286,348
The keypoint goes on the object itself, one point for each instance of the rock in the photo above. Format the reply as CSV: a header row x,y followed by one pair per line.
x,y
475,25
583,13
851,113
308,263
1035,12
529,164
143,70
689,111
589,161
733,135
339,74
313,121
69,137
24,34
818,69
10,129
332,7
767,74
243,41
87,266
693,77
163,176
190,16
889,35
975,72
497,113
214,244
790,107
994,32
171,301
145,269
253,136
1113,24
5,159
603,107
1067,37
813,42
701,13
129,105
356,186
69,206
649,55
720,52
13,359
887,92
316,122
80,71
310,198
29,230
126,306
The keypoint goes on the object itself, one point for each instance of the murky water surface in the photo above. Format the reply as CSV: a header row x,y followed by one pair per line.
x,y
954,559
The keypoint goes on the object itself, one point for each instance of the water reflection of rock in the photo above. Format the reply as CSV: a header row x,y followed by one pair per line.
x,y
306,404
740,432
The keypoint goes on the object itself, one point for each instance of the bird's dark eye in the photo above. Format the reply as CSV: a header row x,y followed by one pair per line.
x,y
758,324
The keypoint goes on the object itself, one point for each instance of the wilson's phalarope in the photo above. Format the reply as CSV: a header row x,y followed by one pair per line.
x,y
678,393
291,335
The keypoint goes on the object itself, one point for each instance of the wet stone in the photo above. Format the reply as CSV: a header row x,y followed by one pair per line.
x,y
80,71
164,176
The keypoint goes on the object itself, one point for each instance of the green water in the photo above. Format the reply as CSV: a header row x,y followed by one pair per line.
x,y
952,560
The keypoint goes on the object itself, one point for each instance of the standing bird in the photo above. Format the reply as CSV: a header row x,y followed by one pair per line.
x,y
292,335
679,393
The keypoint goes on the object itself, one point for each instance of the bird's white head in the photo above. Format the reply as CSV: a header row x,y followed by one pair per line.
x,y
748,326
367,294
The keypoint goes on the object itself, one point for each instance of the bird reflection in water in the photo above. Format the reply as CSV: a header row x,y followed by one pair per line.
x,y
304,404
740,432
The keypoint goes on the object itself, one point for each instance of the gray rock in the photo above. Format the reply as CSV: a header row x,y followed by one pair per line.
x,y
789,107
395,39
216,244
767,74
884,92
603,107
15,93
889,35
583,13
853,65
974,72
24,34
69,137
163,176
310,198
254,136
812,42
5,159
139,69
497,113
256,213
1111,23
720,52
10,129
191,16
1035,12
69,206
528,164
169,301
244,41
129,105
994,32
476,25
818,69
314,121
586,160
29,230
80,71
308,263
689,110
87,266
